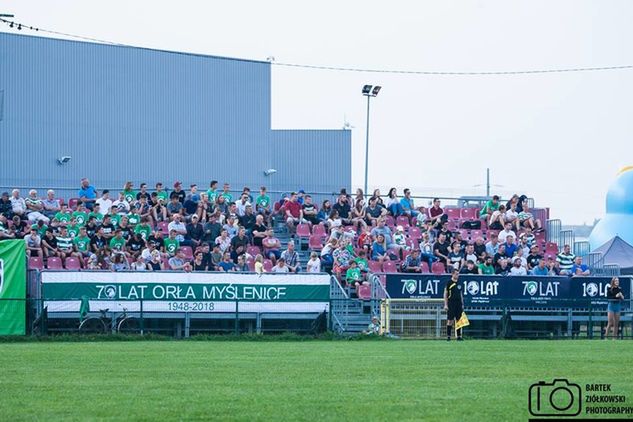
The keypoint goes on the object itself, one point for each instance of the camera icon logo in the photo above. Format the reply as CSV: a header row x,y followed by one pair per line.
x,y
558,398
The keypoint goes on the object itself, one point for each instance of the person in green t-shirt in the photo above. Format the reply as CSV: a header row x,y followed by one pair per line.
x,y
129,193
133,218
171,243
73,228
361,261
144,229
226,194
262,203
490,207
82,243
117,243
353,276
96,213
212,193
115,218
160,193
63,216
81,215
486,267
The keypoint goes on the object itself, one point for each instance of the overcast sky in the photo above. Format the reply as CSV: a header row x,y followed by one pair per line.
x,y
560,138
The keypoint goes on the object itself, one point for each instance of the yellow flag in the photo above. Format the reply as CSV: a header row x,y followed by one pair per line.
x,y
462,321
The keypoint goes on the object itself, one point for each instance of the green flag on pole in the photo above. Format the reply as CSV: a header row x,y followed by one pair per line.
x,y
12,287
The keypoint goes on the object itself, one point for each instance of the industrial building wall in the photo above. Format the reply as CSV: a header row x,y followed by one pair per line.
x,y
321,158
125,113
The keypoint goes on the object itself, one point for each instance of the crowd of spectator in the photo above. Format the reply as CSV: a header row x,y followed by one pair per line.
x,y
210,230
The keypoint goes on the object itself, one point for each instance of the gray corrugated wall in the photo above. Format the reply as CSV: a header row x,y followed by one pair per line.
x,y
136,114
317,160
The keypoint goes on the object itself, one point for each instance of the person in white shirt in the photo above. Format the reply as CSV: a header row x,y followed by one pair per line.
x,y
280,267
105,203
512,216
179,227
314,263
121,205
17,203
242,204
503,234
517,269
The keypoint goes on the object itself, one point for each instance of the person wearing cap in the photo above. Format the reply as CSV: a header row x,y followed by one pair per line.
x,y
178,193
300,196
195,231
534,257
453,304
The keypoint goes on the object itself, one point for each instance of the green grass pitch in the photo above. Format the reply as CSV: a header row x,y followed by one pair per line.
x,y
309,380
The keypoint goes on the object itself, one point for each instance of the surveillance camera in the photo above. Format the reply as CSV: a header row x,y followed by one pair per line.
x,y
64,159
269,172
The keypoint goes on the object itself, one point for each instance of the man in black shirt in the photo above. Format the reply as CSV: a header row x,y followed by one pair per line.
x,y
107,228
98,241
309,210
178,192
534,257
156,239
441,248
248,219
195,231
469,268
259,231
453,305
212,230
135,245
343,208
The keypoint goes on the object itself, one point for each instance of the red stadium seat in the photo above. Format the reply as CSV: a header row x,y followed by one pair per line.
x,y
469,213
54,263
72,263
389,267
268,265
424,267
415,233
251,264
453,225
315,243
438,268
464,234
452,213
364,292
383,280
375,266
253,250
474,234
390,221
166,263
72,203
303,230
187,251
35,263
319,230
403,221
163,226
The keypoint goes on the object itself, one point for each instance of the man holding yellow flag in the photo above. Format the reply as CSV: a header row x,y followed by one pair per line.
x,y
454,306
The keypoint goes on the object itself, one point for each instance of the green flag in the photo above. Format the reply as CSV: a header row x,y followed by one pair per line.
x,y
84,308
12,287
